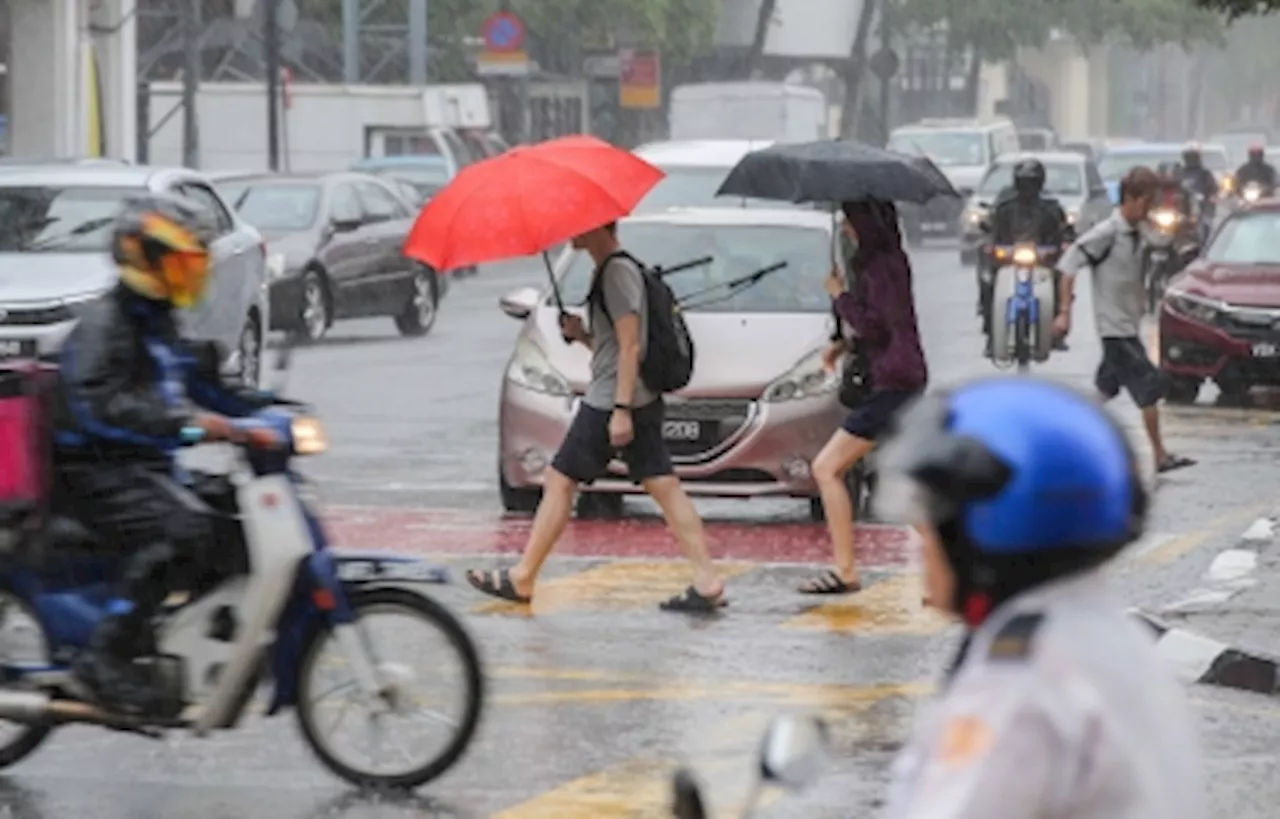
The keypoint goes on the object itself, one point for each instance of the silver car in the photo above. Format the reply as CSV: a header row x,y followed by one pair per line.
x,y
54,260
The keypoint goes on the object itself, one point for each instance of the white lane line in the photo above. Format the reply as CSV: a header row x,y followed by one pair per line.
x,y
1260,530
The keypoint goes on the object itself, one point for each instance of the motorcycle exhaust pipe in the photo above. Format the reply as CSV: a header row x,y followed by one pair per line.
x,y
34,708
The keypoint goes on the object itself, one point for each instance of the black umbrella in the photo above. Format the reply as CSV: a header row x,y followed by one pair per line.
x,y
835,171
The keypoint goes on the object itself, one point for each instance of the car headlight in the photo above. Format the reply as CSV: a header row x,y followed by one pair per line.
x,y
1072,216
807,379
531,369
275,266
1194,307
973,215
308,436
1025,256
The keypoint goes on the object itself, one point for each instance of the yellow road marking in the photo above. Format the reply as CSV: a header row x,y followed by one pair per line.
x,y
892,606
721,757
834,697
1183,544
625,585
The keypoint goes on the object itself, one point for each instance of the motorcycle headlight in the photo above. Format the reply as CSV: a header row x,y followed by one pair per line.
x,y
1252,192
973,216
275,266
807,379
530,369
308,436
1193,306
1025,256
1165,219
1227,184
1072,216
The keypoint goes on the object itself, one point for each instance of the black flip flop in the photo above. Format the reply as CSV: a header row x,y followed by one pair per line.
x,y
1174,462
692,601
829,582
496,583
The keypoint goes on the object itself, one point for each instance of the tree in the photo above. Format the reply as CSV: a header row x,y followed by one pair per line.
x,y
1235,9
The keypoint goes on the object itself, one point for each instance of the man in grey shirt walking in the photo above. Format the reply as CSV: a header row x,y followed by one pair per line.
x,y
1112,249
618,415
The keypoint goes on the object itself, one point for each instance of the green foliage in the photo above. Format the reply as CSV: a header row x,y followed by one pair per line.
x,y
1234,9
997,28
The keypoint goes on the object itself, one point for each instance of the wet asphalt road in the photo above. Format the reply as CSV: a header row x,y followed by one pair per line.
x,y
595,695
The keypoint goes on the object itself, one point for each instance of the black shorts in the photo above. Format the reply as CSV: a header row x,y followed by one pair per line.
x,y
1125,363
873,417
585,453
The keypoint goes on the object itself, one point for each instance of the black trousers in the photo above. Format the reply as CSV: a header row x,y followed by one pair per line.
x,y
140,510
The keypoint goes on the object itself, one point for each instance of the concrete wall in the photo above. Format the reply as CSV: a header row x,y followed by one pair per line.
x,y
1076,82
50,82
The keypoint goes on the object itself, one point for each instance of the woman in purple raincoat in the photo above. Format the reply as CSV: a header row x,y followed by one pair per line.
x,y
882,313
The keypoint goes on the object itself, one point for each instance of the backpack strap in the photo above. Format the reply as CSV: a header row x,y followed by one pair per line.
x,y
1095,261
596,293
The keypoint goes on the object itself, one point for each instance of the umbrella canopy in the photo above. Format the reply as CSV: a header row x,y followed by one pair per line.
x,y
835,171
527,200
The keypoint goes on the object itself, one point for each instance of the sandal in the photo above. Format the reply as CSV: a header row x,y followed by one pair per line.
x,y
693,601
1172,462
829,582
496,583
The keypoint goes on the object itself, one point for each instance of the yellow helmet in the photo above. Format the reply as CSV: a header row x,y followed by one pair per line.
x,y
162,247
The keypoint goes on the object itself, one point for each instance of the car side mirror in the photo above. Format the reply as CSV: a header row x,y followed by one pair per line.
x,y
1189,254
984,225
345,225
519,303
794,752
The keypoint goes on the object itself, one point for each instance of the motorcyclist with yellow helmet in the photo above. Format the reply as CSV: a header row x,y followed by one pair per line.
x,y
128,388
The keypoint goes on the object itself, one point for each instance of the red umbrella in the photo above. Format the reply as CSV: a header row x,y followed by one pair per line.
x,y
527,200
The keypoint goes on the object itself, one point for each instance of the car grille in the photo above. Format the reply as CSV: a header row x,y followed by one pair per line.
x,y
1258,324
34,316
720,420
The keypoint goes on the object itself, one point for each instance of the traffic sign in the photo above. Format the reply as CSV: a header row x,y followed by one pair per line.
x,y
640,79
503,33
885,63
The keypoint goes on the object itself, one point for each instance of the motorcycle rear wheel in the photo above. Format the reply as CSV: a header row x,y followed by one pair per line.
x,y
18,741
464,651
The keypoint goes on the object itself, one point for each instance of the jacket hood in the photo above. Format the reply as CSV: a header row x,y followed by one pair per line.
x,y
876,224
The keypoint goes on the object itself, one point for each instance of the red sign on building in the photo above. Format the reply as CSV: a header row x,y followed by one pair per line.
x,y
639,79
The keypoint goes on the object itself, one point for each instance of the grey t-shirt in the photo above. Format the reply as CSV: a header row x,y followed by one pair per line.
x,y
1118,294
622,291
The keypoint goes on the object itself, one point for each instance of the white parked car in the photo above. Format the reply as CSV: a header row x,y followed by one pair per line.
x,y
54,258
695,169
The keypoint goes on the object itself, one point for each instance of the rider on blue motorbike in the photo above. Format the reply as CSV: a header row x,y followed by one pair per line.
x,y
125,406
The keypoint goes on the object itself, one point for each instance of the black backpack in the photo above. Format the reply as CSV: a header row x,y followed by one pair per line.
x,y
667,364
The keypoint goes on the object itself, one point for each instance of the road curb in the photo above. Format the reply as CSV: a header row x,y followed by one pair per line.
x,y
1200,659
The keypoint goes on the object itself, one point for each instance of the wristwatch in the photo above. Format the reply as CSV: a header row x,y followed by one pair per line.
x,y
618,406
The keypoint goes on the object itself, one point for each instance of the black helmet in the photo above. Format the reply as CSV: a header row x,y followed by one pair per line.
x,y
1191,156
1028,177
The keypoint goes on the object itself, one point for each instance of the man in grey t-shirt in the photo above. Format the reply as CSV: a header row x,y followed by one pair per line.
x,y
618,416
1112,250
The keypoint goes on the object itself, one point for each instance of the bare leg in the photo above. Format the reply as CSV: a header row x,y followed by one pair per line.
x,y
1151,420
840,454
686,526
549,522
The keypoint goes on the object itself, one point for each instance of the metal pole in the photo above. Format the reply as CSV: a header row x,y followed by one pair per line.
x,y
417,42
271,36
191,84
351,41
885,82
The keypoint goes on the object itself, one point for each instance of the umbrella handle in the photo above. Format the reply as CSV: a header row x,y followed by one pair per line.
x,y
555,292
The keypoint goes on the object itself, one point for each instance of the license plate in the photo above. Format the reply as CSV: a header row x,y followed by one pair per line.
x,y
681,430
1266,350
16,348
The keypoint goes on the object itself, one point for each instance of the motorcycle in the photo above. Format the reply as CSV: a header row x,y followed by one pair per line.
x,y
1023,287
273,602
1251,192
1171,247
793,755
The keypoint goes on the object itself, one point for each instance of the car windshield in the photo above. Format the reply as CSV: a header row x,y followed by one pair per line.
x,y
1113,166
276,207
737,251
695,187
59,219
943,147
1252,238
1060,179
426,179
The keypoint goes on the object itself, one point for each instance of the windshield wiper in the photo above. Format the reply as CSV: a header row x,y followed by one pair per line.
x,y
732,287
81,229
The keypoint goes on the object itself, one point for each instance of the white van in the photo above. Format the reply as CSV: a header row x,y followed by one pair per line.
x,y
962,149
754,110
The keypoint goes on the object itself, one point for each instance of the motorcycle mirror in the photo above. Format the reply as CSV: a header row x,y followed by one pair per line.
x,y
794,751
686,796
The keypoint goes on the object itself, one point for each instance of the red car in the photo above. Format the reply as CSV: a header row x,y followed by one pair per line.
x,y
1220,318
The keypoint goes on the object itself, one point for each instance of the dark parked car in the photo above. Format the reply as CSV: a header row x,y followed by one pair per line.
x,y
1220,319
335,244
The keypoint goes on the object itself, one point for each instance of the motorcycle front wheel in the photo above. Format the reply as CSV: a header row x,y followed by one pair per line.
x,y
451,654
22,642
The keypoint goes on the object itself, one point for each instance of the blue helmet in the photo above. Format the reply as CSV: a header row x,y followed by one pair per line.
x,y
1016,467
